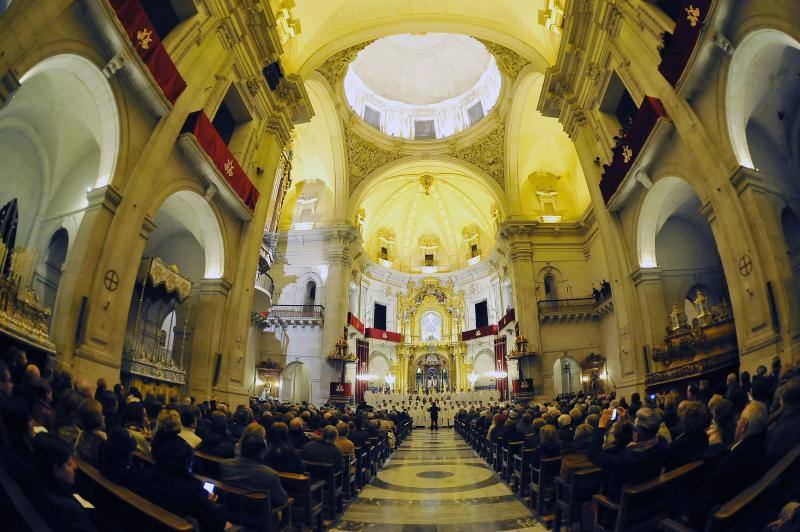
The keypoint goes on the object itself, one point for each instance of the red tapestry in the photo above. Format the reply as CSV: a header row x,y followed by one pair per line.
x,y
355,323
380,334
505,320
684,38
206,134
148,45
501,365
629,147
481,332
362,367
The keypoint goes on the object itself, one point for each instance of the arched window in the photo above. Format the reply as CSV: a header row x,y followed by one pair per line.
x,y
311,293
550,287
431,325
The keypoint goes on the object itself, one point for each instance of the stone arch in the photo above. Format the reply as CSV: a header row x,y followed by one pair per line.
x,y
295,382
187,210
751,69
483,362
562,367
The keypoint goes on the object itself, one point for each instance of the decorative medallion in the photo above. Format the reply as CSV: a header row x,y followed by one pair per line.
x,y
111,280
145,37
745,265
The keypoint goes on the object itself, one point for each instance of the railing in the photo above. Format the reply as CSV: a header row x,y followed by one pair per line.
x,y
580,304
264,281
297,311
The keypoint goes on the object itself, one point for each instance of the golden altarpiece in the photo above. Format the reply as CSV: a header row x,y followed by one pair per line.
x,y
431,317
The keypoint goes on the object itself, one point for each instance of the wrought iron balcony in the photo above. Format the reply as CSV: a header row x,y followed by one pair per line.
x,y
296,314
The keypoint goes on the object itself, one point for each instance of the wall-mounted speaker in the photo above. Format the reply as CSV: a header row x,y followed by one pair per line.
x,y
80,328
217,367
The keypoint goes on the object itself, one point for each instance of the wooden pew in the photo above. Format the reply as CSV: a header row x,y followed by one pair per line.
x,y
508,454
362,467
15,506
520,478
641,506
252,509
573,492
758,504
307,509
543,484
118,508
333,491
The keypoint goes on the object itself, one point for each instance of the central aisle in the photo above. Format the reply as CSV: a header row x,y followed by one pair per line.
x,y
436,482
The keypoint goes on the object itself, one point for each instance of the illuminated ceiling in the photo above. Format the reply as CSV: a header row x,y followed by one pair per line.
x,y
421,69
452,208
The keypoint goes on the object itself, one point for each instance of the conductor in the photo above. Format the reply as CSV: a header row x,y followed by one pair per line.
x,y
434,410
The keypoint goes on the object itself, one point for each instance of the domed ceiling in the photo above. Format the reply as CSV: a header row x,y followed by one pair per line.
x,y
423,86
422,69
427,208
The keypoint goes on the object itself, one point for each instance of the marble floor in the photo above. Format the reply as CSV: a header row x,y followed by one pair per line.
x,y
435,482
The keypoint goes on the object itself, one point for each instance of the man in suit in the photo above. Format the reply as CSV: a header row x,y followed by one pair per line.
x,y
745,463
247,471
784,433
434,412
324,450
297,436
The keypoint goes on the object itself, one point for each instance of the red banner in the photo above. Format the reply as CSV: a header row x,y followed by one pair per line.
x,y
524,386
341,389
505,320
206,134
501,365
380,334
688,27
148,45
627,151
362,367
489,330
355,323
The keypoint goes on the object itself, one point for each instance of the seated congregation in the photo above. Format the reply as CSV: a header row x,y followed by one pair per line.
x,y
721,458
82,458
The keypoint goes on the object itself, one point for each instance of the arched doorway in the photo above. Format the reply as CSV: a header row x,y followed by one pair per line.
x,y
48,275
379,369
431,373
295,383
566,376
482,367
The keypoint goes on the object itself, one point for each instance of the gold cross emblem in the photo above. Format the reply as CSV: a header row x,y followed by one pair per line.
x,y
229,167
145,37
627,154
692,15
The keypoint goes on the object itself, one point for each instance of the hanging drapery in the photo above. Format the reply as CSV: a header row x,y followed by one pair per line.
x,y
157,274
501,366
362,368
690,21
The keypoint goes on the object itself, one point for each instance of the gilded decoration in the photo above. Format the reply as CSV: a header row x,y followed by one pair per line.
x,y
364,157
22,317
487,153
168,276
335,67
509,62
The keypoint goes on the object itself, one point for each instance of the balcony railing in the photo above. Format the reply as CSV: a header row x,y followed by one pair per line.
x,y
297,311
265,282
576,308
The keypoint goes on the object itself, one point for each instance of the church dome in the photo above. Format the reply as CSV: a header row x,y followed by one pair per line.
x,y
423,86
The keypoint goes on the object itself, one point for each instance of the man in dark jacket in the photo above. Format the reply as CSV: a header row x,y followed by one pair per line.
x,y
248,472
641,460
434,412
784,433
745,464
693,442
734,393
324,450
297,435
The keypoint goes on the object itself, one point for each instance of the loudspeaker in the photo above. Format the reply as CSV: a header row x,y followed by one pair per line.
x,y
217,367
80,328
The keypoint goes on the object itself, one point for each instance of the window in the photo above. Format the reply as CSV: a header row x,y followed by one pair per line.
x,y
481,314
311,293
372,117
473,250
165,15
379,318
231,115
384,253
424,129
549,287
475,113
617,101
429,259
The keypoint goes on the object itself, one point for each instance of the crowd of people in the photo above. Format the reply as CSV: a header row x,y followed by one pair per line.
x,y
418,405
48,422
738,430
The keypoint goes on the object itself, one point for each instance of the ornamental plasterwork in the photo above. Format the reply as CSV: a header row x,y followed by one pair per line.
x,y
487,153
364,157
508,61
335,67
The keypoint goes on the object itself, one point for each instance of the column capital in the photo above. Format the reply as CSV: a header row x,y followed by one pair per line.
x,y
646,276
213,287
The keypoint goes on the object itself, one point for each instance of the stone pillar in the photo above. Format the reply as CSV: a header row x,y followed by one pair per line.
x,y
337,248
209,319
653,307
519,238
